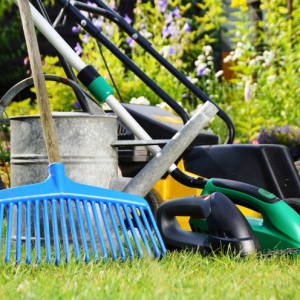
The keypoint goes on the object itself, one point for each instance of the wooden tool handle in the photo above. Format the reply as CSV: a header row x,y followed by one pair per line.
x,y
39,82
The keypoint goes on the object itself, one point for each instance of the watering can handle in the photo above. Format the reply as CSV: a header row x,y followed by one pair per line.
x,y
225,223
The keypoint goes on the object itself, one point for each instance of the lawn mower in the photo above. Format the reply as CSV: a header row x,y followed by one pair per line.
x,y
267,209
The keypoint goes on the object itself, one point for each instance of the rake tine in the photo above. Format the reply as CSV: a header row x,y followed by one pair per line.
x,y
160,241
73,230
82,233
149,231
18,232
99,231
124,230
47,231
90,230
55,232
28,232
108,233
133,232
64,230
37,231
115,228
8,232
140,228
2,208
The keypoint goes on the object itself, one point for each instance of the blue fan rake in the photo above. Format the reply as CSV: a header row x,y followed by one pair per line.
x,y
61,218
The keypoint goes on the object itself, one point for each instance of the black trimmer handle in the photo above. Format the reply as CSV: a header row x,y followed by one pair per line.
x,y
227,227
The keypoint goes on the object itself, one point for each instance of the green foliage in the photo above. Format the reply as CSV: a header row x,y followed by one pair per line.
x,y
267,57
5,8
10,32
263,91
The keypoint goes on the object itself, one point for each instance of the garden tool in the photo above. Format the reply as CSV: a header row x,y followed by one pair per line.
x,y
72,208
278,228
227,229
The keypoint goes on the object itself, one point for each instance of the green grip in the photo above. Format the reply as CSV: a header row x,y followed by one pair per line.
x,y
100,89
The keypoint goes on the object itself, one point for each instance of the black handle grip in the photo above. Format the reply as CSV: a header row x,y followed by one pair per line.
x,y
227,227
173,235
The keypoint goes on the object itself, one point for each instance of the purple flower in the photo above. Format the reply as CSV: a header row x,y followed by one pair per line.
x,y
172,30
200,70
97,22
163,5
186,27
76,104
167,51
169,18
171,51
76,29
176,12
78,49
143,26
165,32
130,41
127,19
86,38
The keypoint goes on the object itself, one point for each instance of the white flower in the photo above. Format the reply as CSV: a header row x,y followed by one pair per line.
x,y
271,78
201,58
268,57
192,79
247,91
237,54
227,59
259,58
146,34
240,45
165,106
219,73
140,100
252,62
207,49
206,71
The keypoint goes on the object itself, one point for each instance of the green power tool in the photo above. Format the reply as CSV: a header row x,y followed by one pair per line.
x,y
277,230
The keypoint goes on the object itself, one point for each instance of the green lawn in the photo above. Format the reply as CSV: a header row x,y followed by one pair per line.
x,y
183,275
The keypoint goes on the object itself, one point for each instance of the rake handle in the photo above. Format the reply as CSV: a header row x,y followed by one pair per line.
x,y
39,82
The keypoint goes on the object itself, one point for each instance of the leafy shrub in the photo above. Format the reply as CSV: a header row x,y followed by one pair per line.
x,y
285,135
263,91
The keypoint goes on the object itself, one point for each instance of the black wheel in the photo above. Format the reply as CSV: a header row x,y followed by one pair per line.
x,y
154,200
293,203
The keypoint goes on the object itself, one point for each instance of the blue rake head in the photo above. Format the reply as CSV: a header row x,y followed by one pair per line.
x,y
59,217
